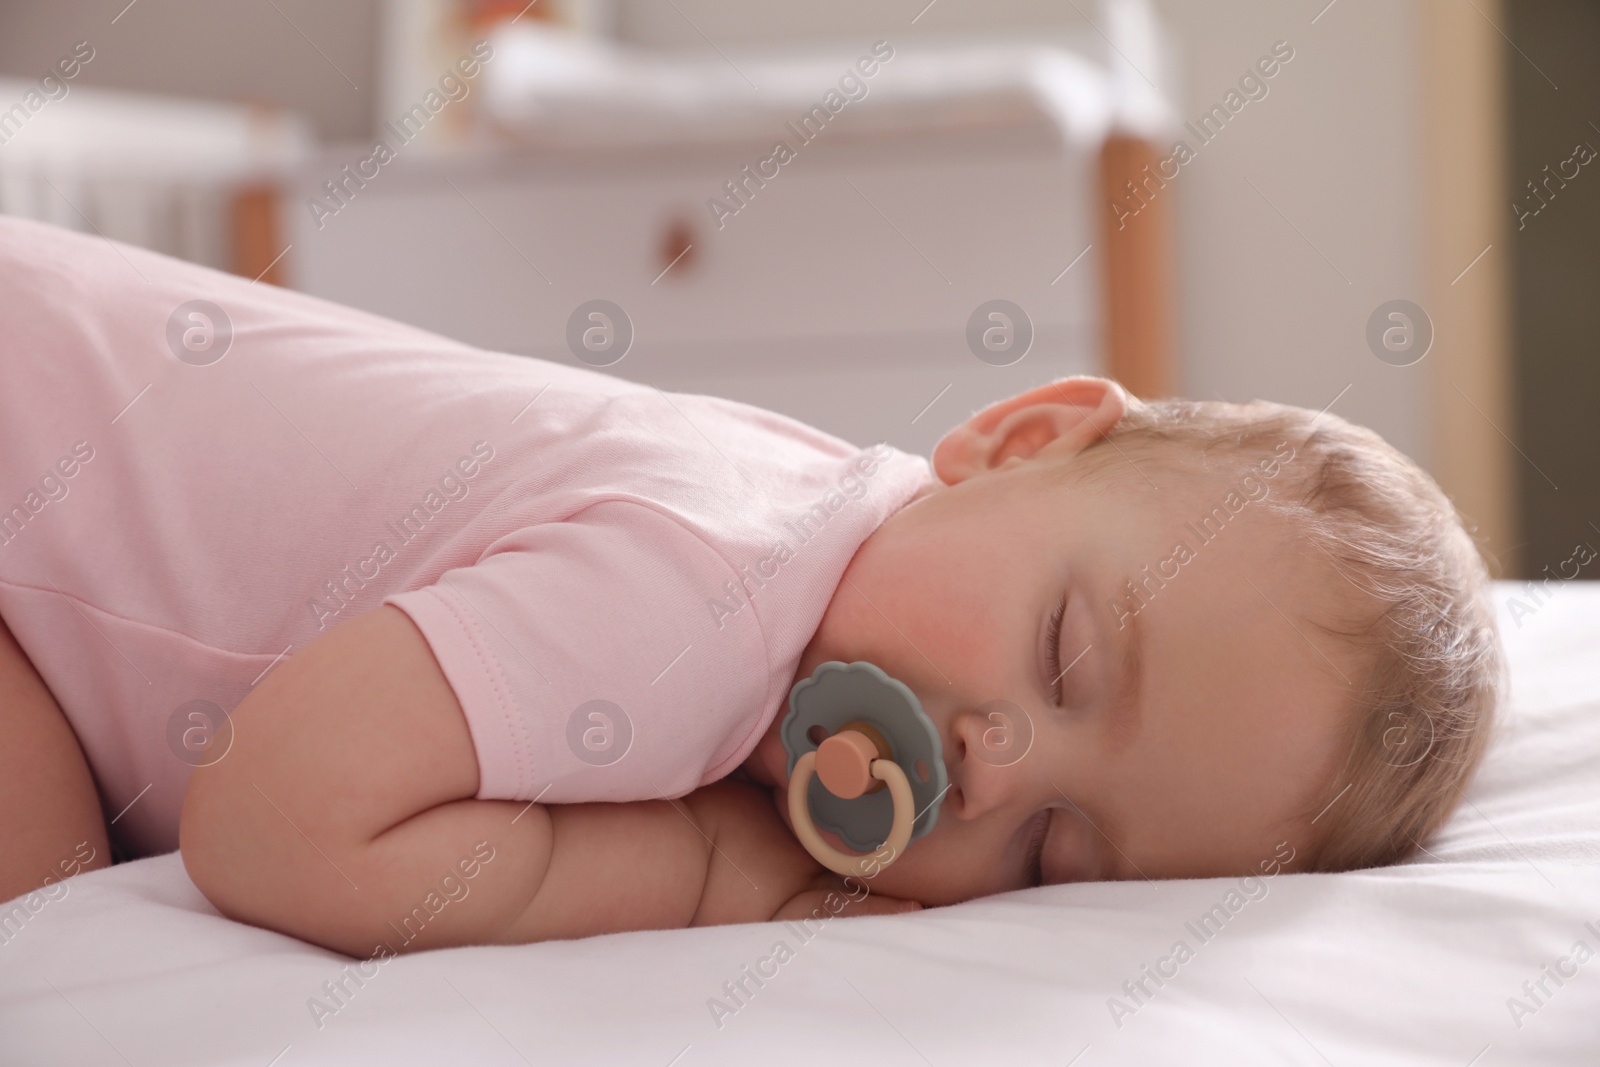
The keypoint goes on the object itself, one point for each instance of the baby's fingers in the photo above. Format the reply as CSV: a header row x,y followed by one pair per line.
x,y
878,904
823,904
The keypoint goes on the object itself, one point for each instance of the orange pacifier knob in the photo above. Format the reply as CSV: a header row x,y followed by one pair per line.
x,y
844,761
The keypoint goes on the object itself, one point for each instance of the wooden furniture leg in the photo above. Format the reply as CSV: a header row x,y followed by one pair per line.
x,y
1138,291
257,244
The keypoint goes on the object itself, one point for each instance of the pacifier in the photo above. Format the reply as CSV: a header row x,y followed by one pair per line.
x,y
865,762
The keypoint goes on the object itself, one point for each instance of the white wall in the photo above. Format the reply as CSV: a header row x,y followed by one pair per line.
x,y
1335,150
295,53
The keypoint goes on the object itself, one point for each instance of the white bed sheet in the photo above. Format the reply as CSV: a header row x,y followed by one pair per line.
x,y
1409,965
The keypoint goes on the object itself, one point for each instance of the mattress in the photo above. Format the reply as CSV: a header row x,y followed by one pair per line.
x,y
1480,952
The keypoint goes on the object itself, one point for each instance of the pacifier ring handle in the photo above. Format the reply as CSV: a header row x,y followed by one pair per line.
x,y
886,771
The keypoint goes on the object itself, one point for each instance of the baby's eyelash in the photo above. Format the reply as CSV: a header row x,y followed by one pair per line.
x,y
1052,640
1036,849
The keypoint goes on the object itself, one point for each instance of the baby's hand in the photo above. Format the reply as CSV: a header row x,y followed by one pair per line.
x,y
754,848
831,895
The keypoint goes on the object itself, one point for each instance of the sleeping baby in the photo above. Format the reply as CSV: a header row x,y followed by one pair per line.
x,y
410,645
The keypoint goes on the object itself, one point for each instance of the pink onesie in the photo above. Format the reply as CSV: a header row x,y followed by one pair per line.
x,y
199,476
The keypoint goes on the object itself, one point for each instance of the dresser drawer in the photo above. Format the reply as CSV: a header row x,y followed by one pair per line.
x,y
839,291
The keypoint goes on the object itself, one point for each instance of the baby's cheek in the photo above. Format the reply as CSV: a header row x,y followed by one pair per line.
x,y
924,877
957,619
966,641
928,619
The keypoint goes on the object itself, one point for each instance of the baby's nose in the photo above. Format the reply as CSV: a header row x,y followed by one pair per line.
x,y
998,733
987,756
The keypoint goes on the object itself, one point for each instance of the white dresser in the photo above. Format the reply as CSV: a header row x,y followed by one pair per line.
x,y
840,291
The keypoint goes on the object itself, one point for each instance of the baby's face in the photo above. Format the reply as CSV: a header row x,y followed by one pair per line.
x,y
1185,737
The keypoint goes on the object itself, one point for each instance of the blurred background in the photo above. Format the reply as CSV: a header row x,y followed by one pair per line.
x,y
1382,208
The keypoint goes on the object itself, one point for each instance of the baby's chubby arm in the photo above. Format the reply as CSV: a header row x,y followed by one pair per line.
x,y
698,860
344,813
719,855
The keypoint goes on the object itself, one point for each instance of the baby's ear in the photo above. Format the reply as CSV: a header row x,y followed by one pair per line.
x,y
1054,420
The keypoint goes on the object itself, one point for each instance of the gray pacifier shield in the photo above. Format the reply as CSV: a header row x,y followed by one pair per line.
x,y
838,693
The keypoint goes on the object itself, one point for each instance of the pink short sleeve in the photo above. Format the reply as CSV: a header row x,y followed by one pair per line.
x,y
587,664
